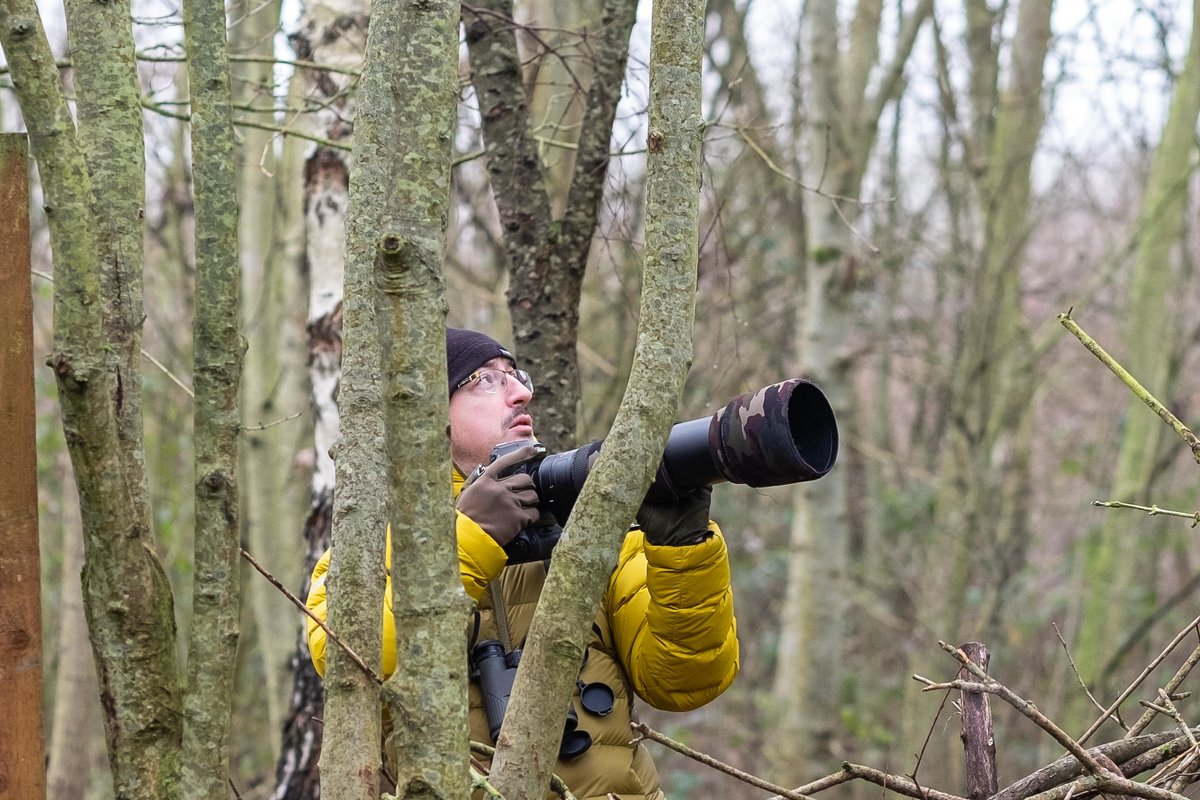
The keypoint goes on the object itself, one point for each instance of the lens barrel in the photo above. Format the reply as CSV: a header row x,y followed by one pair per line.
x,y
783,433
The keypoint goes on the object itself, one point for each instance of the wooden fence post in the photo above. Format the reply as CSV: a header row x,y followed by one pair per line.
x,y
977,736
22,753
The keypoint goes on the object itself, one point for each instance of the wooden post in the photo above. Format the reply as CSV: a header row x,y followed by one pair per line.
x,y
977,736
22,754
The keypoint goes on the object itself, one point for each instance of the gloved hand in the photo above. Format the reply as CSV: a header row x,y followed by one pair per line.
x,y
682,522
500,503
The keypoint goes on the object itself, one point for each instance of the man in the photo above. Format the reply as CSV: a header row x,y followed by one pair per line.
x,y
665,631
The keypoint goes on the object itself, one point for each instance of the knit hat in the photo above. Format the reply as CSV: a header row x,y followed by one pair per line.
x,y
467,351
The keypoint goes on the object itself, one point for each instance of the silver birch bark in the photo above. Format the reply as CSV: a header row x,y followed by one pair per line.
x,y
842,130
218,348
585,557
127,596
333,35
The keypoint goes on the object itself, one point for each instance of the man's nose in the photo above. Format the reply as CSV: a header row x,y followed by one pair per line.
x,y
520,395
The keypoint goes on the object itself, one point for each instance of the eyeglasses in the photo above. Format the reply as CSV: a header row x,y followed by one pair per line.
x,y
490,380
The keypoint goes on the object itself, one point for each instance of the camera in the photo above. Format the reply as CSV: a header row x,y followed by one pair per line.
x,y
781,434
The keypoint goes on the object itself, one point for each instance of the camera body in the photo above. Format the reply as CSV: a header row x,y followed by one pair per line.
x,y
781,434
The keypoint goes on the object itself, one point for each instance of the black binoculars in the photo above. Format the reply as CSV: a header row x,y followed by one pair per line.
x,y
495,670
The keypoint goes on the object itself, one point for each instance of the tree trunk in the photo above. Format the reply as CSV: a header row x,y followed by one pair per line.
x,y
1113,559
218,348
127,596
546,258
980,530
274,392
332,34
843,120
527,752
400,201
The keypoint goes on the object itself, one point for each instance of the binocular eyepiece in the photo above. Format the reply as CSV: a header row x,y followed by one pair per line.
x,y
781,434
495,671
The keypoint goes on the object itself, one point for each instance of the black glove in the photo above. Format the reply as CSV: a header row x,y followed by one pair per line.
x,y
682,522
500,503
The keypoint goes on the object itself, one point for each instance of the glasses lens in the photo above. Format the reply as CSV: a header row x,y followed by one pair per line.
x,y
490,380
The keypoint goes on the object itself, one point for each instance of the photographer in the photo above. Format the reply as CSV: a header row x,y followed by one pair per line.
x,y
665,631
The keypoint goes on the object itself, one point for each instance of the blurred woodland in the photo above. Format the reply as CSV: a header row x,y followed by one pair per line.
x,y
898,199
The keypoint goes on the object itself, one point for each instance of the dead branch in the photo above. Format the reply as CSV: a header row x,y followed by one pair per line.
x,y
646,732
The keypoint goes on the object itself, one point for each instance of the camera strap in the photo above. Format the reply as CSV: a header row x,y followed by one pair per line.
x,y
496,593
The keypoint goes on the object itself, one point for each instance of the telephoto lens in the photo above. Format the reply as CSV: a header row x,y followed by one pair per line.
x,y
780,434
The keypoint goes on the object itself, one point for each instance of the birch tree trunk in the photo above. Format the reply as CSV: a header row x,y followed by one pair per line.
x,y
333,34
127,596
843,122
526,755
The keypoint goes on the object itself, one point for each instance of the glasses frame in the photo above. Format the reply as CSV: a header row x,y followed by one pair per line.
x,y
519,375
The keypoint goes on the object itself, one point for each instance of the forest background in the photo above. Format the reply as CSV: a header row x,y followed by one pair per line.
x,y
898,211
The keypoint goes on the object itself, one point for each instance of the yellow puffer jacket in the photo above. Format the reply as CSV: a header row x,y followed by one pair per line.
x,y
665,632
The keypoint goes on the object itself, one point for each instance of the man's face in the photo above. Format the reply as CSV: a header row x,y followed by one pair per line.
x,y
479,421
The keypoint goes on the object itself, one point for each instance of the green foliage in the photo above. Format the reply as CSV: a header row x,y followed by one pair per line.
x,y
825,255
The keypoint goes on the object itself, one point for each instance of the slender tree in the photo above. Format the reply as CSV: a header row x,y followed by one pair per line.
x,y
332,35
274,391
218,348
126,594
526,754
1113,560
841,127
546,256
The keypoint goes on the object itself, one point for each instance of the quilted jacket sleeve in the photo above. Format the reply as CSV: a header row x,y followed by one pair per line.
x,y
480,560
671,611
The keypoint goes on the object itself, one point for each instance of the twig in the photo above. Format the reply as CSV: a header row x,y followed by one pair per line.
x,y
1140,391
1138,681
1174,714
1102,778
897,783
648,733
1027,708
1153,511
50,279
556,783
262,426
320,622
1170,687
1127,752
1079,677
